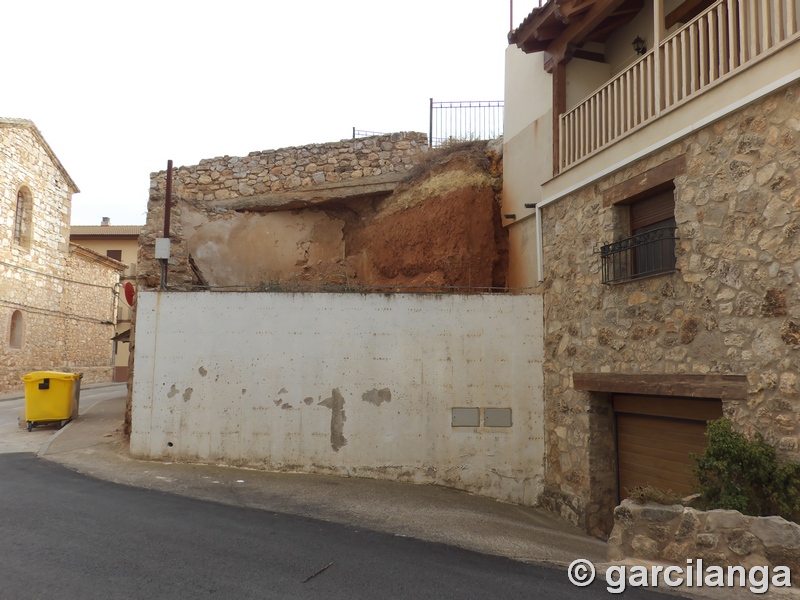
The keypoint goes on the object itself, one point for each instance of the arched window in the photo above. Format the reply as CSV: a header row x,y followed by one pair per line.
x,y
15,336
23,218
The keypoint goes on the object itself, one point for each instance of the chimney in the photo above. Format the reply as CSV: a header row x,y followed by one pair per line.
x,y
106,222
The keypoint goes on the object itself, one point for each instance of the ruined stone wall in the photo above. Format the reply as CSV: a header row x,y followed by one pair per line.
x,y
291,168
391,226
259,183
31,272
732,306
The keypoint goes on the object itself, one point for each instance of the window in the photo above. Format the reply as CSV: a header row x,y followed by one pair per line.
x,y
115,254
650,249
23,218
15,335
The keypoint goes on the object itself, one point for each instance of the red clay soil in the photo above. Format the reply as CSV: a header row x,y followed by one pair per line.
x,y
449,240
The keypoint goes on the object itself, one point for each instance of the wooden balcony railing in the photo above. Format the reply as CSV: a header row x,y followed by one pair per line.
x,y
727,37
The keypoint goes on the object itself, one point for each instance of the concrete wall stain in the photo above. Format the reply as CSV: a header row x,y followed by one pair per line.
x,y
173,391
377,397
202,372
336,404
187,394
308,400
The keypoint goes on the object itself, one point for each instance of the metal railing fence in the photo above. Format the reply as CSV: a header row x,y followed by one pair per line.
x,y
464,121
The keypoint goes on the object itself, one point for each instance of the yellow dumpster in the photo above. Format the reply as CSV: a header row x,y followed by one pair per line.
x,y
51,397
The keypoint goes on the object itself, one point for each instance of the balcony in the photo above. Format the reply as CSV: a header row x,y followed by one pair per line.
x,y
645,254
720,42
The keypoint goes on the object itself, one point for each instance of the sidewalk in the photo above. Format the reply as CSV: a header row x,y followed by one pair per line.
x,y
94,445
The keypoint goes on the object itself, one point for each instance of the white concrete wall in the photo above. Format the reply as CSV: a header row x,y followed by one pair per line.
x,y
344,383
528,90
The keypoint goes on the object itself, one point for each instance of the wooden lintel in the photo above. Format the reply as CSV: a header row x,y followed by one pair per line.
x,y
725,387
685,12
650,181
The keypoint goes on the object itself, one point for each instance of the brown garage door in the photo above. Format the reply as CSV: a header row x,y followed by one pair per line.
x,y
655,435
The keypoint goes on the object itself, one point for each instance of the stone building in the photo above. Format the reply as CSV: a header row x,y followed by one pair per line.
x,y
652,189
121,243
57,299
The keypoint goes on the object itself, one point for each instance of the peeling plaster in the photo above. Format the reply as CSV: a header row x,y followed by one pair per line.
x,y
187,394
173,391
202,371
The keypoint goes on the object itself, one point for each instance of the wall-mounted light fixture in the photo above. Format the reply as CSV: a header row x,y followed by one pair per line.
x,y
638,45
510,216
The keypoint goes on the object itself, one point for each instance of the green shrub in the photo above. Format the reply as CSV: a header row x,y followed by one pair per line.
x,y
738,473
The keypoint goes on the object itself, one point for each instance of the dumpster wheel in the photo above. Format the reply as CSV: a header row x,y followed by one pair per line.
x,y
30,426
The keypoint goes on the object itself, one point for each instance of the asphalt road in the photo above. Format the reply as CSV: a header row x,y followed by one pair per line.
x,y
65,535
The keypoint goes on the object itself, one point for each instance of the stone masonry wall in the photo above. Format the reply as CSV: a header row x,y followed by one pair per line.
x,y
89,295
36,278
30,273
731,307
655,532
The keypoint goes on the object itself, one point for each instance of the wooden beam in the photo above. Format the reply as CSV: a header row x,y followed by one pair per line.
x,y
548,33
725,387
645,183
568,8
586,55
532,46
559,108
610,25
686,11
575,33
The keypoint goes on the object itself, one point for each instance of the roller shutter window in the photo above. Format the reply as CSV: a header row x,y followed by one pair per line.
x,y
655,436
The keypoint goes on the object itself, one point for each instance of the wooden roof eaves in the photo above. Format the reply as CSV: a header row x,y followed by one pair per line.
x,y
527,29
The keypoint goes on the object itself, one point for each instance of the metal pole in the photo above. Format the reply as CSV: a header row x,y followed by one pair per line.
x,y
167,212
168,204
430,126
511,16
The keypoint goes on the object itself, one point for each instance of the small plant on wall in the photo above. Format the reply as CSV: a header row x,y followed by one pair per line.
x,y
739,473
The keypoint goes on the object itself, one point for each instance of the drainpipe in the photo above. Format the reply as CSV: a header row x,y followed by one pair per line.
x,y
539,244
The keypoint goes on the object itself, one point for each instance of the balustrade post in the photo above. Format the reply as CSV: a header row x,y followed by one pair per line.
x,y
658,37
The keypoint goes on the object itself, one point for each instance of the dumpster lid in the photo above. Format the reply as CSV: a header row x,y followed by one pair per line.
x,y
39,375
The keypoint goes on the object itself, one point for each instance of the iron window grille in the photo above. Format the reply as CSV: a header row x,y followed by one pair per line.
x,y
643,254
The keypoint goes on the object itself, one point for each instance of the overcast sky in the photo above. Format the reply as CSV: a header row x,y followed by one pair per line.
x,y
118,88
